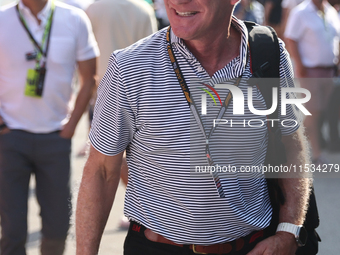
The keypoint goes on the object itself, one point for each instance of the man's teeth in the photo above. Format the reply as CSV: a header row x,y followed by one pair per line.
x,y
185,13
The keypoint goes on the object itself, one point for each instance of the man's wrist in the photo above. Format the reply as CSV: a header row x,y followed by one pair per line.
x,y
297,231
289,237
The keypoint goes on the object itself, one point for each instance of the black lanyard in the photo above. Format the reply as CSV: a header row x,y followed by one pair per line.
x,y
193,108
47,31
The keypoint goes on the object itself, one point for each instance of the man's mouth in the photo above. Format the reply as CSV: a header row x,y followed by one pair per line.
x,y
186,14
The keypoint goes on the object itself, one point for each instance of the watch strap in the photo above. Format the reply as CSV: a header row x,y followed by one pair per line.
x,y
290,228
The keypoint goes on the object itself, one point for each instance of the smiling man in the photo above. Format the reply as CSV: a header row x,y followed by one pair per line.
x,y
141,109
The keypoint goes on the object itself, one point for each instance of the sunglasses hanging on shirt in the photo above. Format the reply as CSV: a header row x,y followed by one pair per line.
x,y
31,55
36,77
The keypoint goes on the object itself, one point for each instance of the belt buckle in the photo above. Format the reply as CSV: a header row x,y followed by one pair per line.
x,y
196,252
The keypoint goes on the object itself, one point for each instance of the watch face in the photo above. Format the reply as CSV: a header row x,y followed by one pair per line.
x,y
302,236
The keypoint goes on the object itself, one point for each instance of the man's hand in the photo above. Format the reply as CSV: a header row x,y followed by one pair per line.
x,y
281,243
6,130
67,131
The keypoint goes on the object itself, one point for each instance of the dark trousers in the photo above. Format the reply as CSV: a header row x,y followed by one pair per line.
x,y
47,156
137,244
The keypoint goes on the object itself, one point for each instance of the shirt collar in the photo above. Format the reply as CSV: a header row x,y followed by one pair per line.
x,y
43,15
311,6
239,25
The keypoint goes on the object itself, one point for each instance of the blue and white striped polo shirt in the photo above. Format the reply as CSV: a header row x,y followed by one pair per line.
x,y
141,108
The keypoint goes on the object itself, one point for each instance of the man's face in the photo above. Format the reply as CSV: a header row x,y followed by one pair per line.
x,y
196,19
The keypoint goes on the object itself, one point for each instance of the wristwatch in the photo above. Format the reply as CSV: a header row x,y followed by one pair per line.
x,y
298,231
2,127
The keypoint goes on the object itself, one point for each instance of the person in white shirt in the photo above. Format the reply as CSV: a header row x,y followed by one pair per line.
x,y
287,6
41,42
312,34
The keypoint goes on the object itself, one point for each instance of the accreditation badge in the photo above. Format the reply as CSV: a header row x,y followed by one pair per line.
x,y
35,82
31,83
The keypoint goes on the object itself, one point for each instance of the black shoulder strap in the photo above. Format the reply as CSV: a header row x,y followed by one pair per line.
x,y
265,63
264,51
265,59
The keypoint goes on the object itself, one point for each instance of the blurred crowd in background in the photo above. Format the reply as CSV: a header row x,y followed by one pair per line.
x,y
310,29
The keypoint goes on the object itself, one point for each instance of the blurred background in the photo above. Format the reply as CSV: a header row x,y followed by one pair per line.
x,y
85,2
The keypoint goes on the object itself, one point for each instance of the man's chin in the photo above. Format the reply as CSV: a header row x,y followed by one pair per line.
x,y
185,33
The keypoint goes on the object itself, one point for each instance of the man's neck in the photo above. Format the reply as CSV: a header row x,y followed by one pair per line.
x,y
216,52
35,6
319,4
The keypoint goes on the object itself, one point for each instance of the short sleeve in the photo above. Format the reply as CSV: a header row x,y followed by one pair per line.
x,y
294,28
290,122
113,123
87,47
